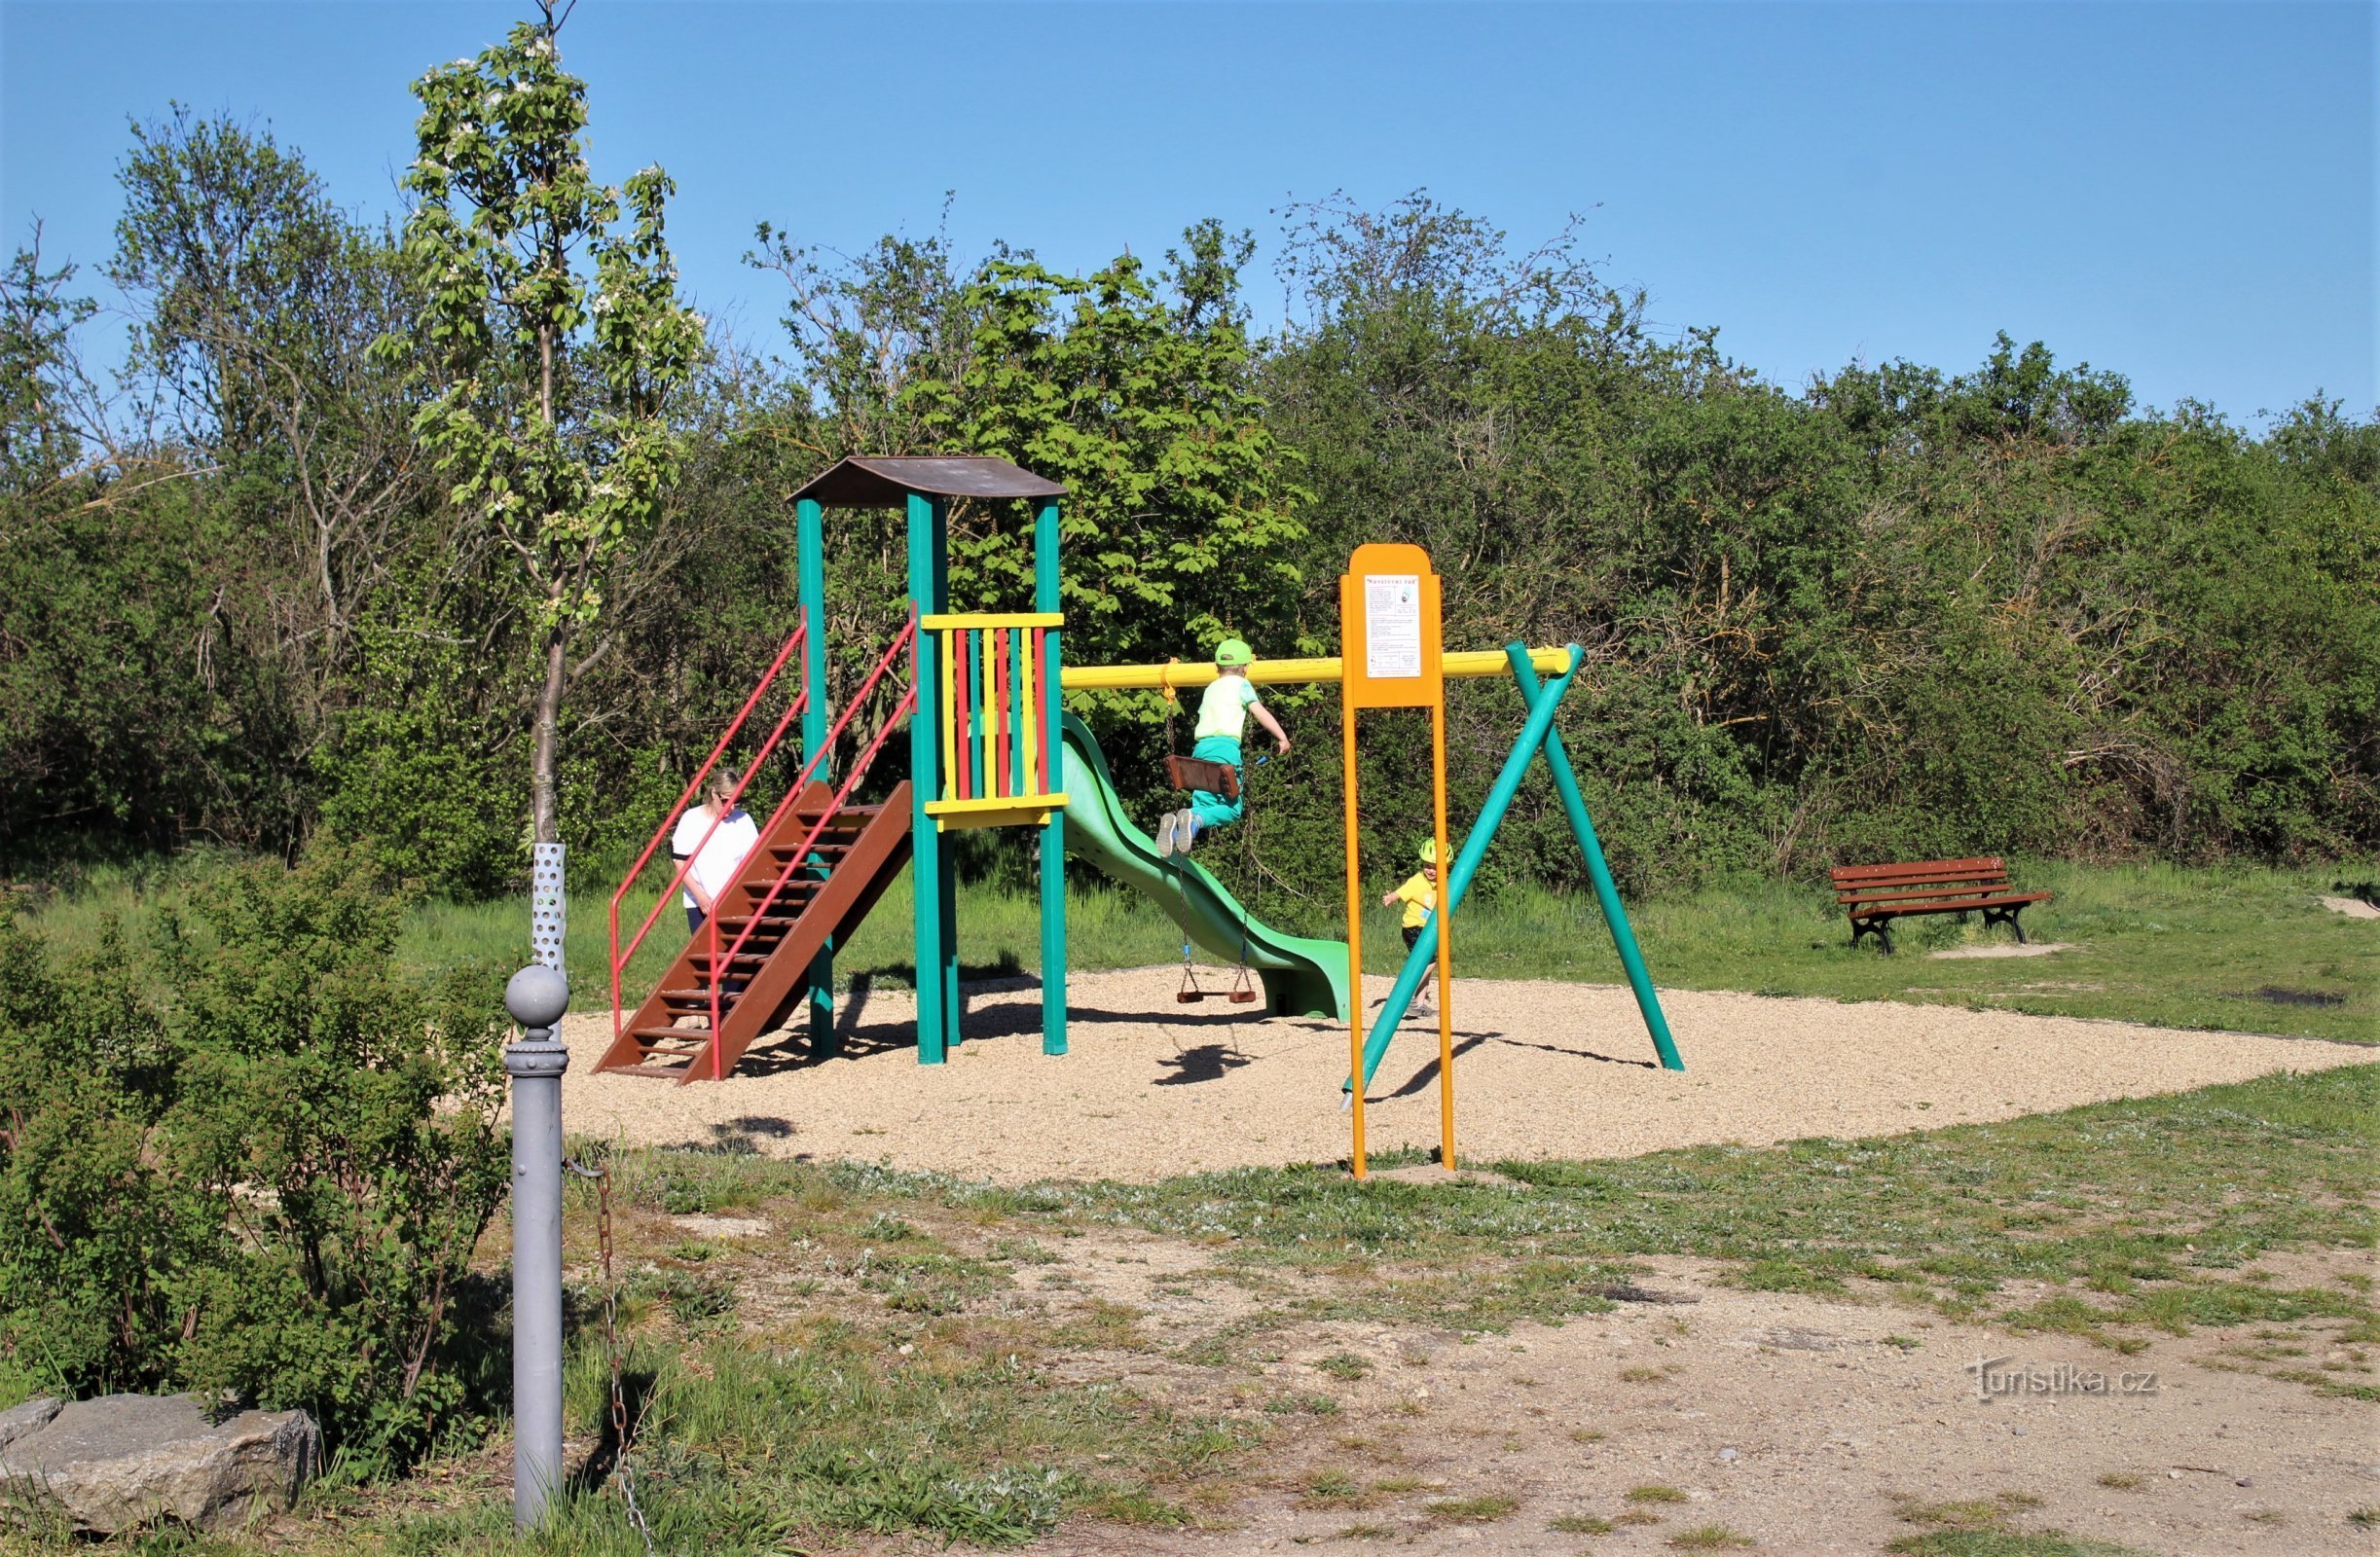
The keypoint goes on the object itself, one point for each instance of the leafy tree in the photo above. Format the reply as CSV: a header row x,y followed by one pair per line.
x,y
259,302
38,438
1139,392
550,386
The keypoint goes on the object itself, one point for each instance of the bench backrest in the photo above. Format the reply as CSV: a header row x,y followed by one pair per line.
x,y
1914,880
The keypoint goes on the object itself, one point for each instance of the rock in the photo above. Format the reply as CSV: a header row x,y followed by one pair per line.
x,y
30,1417
1727,1453
125,1459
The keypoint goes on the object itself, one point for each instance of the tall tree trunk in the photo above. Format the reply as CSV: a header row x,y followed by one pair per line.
x,y
545,751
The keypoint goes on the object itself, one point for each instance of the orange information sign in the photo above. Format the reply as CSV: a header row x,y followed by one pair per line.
x,y
1390,642
1392,657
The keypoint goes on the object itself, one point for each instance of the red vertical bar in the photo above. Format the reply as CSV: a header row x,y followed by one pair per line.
x,y
1041,715
957,649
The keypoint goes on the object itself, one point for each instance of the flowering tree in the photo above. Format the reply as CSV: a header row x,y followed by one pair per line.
x,y
549,386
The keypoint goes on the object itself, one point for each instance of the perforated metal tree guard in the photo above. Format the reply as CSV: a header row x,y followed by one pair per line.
x,y
546,913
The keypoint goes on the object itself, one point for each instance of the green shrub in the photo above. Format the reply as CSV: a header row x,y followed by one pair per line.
x,y
249,1156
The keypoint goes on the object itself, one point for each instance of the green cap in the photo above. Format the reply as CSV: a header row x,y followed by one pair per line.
x,y
1429,850
1233,651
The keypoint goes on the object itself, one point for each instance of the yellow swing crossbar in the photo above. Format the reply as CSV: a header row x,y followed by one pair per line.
x,y
1284,672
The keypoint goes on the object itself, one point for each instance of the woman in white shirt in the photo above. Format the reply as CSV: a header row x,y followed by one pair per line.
x,y
718,833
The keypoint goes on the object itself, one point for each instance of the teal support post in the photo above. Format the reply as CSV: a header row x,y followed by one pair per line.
x,y
946,864
1623,937
810,545
1053,830
1424,955
926,858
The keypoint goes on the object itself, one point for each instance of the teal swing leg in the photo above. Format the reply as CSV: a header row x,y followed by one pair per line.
x,y
1566,784
1424,955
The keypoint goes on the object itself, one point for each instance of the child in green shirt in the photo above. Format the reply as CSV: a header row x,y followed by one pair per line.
x,y
1418,892
1223,717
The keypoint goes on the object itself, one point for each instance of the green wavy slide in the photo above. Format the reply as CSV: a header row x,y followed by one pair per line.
x,y
1301,977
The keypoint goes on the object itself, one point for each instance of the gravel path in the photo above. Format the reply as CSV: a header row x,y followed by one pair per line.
x,y
1543,1070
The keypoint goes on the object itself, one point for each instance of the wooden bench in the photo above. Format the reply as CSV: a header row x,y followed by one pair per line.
x,y
1875,895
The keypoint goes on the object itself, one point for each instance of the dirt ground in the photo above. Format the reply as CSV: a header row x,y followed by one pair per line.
x,y
1154,1088
1804,1424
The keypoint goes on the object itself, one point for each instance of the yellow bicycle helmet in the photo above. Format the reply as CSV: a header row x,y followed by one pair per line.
x,y
1429,850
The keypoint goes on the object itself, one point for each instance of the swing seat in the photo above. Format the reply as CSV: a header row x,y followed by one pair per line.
x,y
1196,773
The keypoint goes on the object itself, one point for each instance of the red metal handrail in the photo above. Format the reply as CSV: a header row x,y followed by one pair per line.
x,y
620,960
858,769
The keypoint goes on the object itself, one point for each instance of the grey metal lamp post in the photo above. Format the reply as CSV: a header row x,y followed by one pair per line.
x,y
536,996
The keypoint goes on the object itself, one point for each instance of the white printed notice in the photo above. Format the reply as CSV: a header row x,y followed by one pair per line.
x,y
1392,625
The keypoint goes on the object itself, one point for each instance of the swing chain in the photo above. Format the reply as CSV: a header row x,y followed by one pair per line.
x,y
600,1173
1243,986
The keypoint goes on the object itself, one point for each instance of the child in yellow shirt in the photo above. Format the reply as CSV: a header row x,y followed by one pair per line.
x,y
1418,892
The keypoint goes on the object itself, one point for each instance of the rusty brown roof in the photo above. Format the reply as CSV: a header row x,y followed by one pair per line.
x,y
882,481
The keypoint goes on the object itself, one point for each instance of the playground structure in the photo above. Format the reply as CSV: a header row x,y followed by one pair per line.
x,y
989,746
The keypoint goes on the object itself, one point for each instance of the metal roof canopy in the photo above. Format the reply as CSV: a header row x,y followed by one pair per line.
x,y
886,481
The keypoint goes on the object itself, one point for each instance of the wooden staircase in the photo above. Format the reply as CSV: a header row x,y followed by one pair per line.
x,y
856,853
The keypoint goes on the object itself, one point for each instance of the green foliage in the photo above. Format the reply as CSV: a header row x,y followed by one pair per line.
x,y
249,1156
404,772
1899,611
549,389
1138,391
1896,614
38,440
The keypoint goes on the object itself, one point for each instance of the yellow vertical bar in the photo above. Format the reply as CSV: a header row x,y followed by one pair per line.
x,y
1446,934
1025,700
950,717
1355,944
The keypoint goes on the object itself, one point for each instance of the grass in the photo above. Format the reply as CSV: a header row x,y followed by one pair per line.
x,y
1709,1537
1978,1527
2166,945
2141,1214
2004,1544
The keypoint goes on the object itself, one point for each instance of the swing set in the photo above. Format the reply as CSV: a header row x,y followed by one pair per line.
x,y
974,702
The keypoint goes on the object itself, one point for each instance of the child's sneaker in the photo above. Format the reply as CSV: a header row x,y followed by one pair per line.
x,y
1187,833
1166,825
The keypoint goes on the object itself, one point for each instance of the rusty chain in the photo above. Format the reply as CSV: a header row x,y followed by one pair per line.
x,y
600,1173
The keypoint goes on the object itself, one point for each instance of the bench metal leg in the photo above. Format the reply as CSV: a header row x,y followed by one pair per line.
x,y
1872,926
2007,917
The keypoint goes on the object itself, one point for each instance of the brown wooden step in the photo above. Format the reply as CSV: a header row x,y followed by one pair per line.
x,y
651,1035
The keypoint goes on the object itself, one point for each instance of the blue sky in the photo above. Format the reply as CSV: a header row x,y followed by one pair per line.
x,y
2184,193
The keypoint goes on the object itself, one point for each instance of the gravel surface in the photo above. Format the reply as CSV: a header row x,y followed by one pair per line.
x,y
1543,1070
1804,1425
